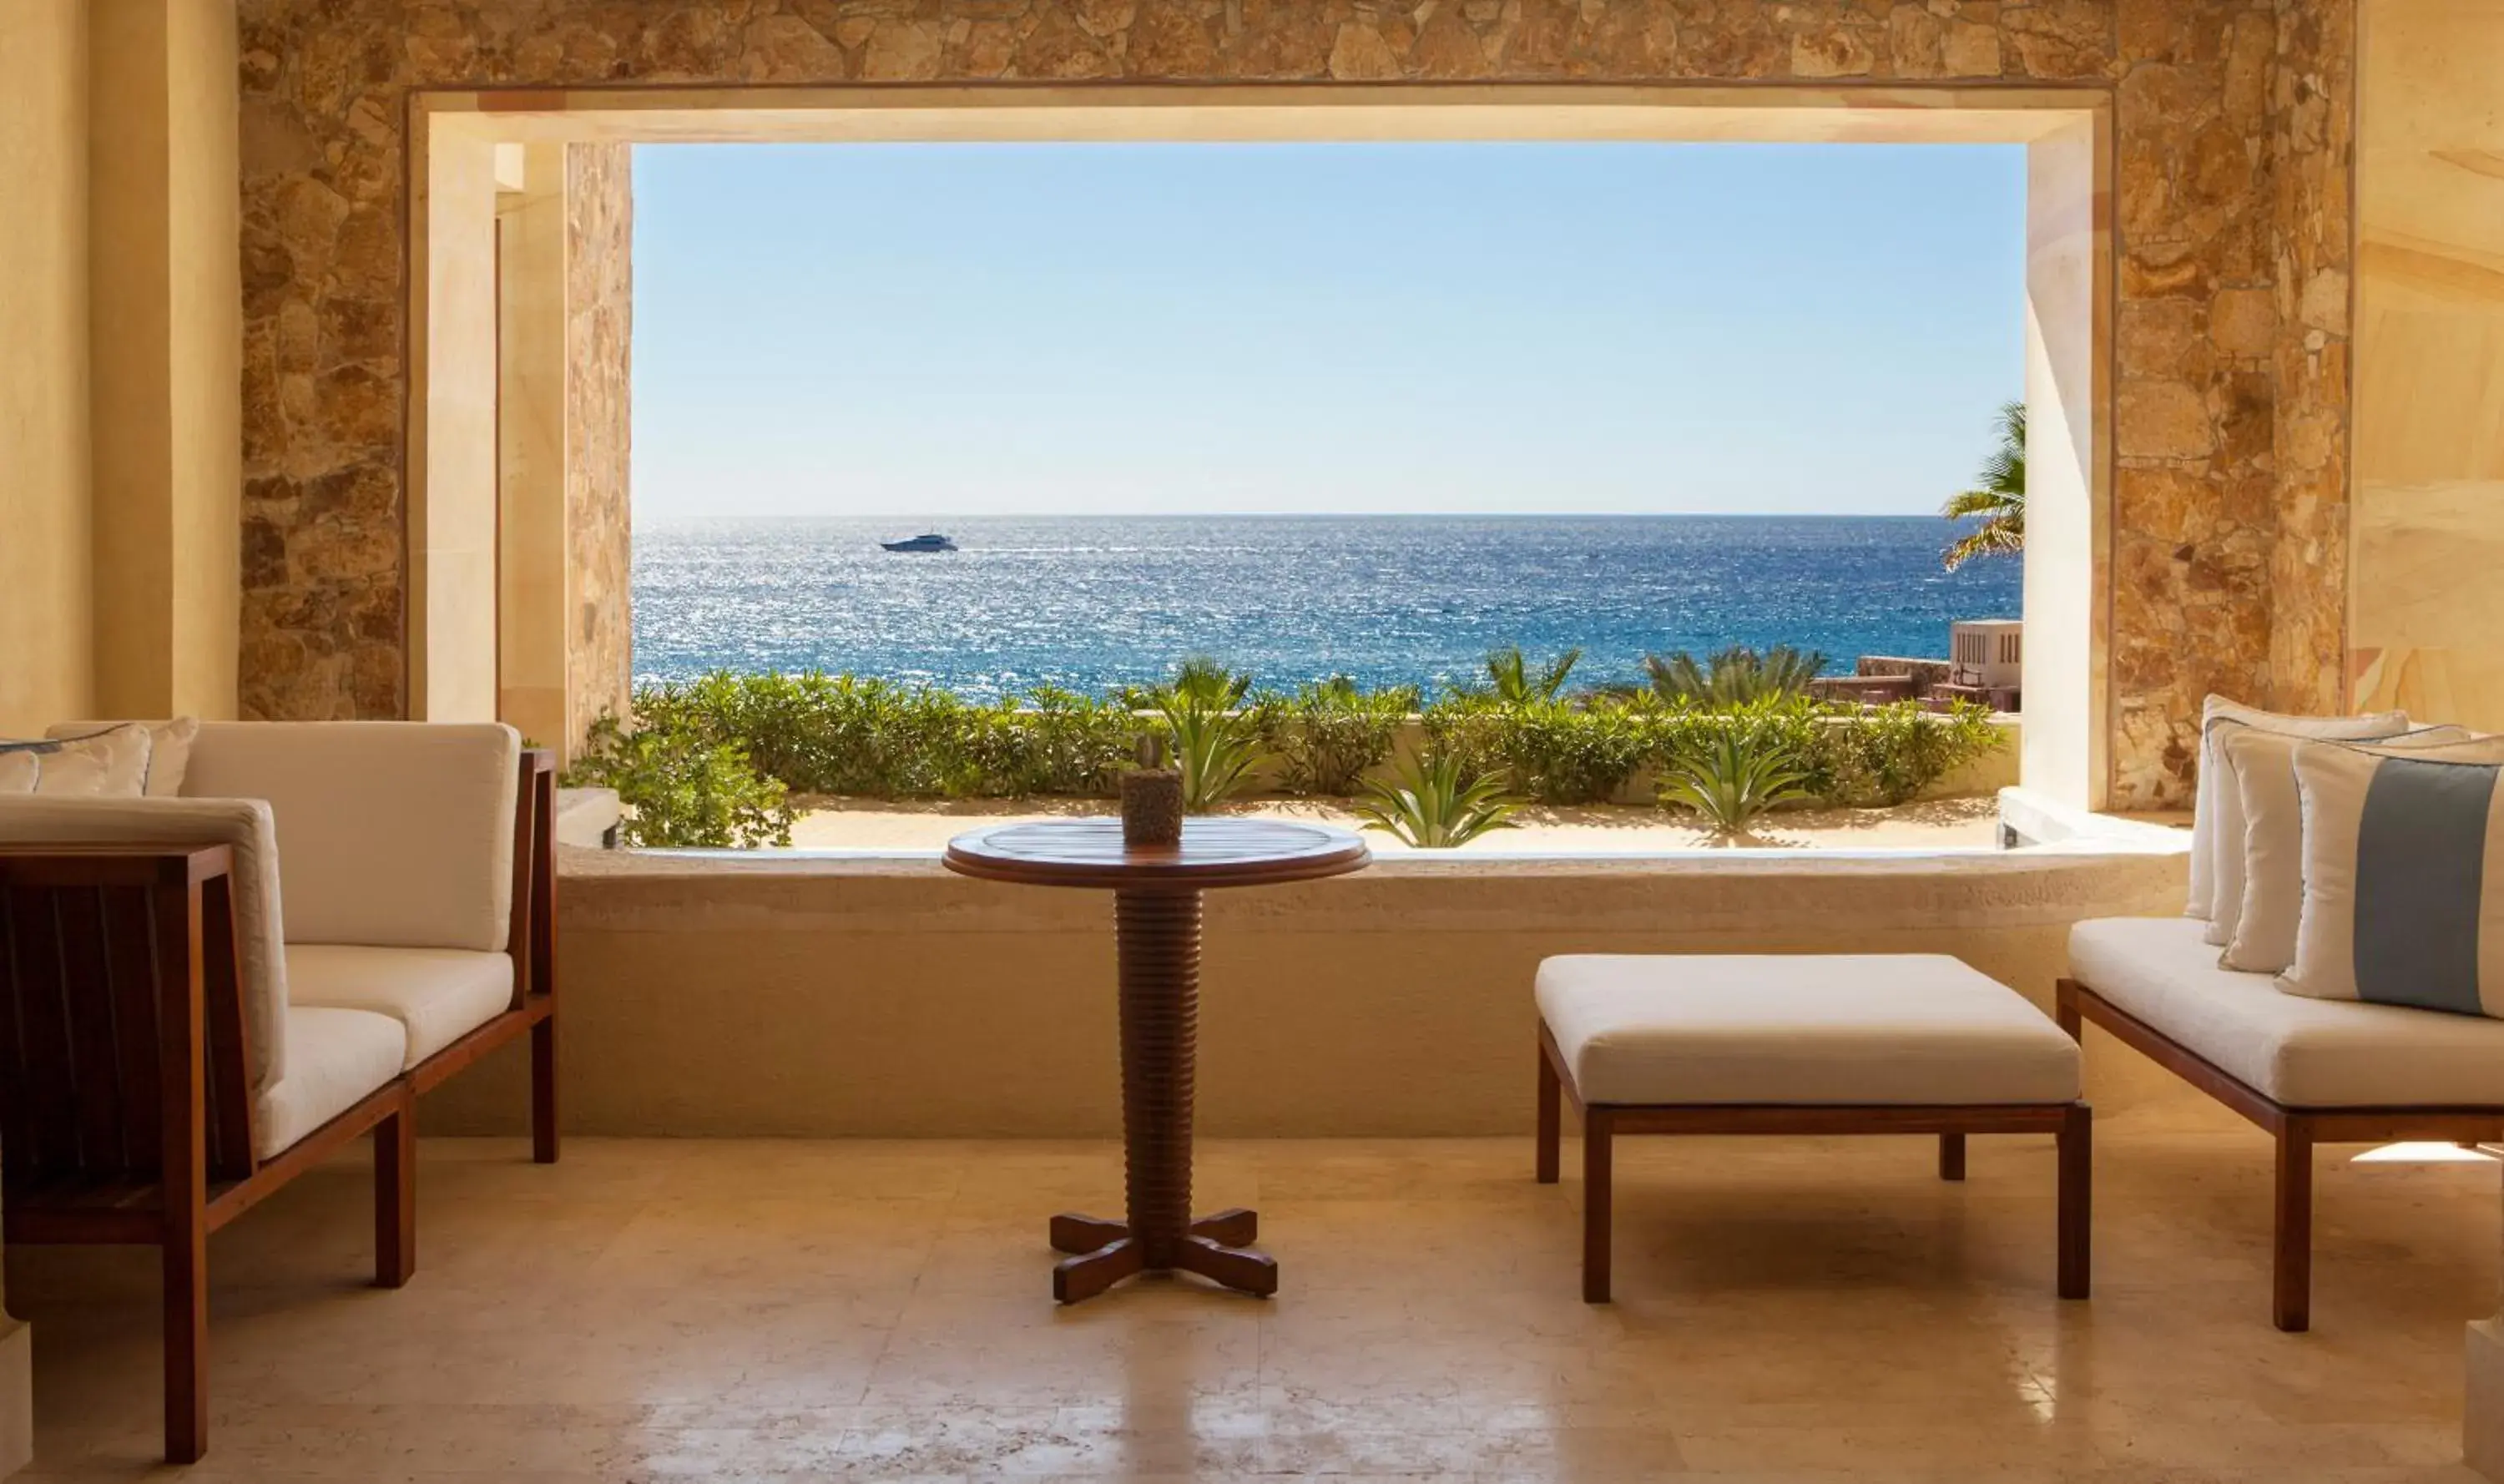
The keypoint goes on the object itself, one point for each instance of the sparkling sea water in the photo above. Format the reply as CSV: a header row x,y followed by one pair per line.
x,y
1093,602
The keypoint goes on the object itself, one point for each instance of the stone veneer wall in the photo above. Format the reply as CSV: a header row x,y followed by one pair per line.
x,y
599,307
2230,170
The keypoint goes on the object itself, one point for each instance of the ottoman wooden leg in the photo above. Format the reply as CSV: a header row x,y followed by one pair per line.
x,y
2077,1200
1551,1135
1596,1171
1951,1157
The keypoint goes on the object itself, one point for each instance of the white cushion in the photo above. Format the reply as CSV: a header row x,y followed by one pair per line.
x,y
18,770
2210,800
2303,1053
390,834
437,995
335,1058
1832,1030
242,823
169,748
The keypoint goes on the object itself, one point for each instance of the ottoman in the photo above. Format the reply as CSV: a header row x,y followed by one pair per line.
x,y
1833,1043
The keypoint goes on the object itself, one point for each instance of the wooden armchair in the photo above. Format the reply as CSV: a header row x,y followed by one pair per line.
x,y
188,1018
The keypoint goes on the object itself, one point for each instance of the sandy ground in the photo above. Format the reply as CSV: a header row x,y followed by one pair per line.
x,y
887,824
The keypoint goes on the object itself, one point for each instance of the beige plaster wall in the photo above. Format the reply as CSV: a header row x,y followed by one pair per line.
x,y
2428,610
2210,102
165,326
791,997
45,580
2068,466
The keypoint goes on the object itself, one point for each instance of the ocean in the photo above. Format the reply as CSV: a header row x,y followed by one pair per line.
x,y
1093,601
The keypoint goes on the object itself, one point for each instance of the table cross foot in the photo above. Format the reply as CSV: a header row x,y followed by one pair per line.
x,y
1245,1271
1090,1273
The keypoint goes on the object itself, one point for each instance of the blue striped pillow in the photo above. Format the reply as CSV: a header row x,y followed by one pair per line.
x,y
2402,881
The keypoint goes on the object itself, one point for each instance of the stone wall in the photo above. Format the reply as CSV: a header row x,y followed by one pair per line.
x,y
2216,102
600,306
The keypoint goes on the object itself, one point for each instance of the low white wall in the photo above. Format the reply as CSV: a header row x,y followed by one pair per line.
x,y
795,995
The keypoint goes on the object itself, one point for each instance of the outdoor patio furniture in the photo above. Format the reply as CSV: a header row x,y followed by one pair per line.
x,y
1155,917
202,998
2306,1071
1839,1043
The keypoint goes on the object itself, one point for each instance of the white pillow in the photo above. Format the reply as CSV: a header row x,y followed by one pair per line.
x,y
169,748
2265,886
20,765
111,764
2205,837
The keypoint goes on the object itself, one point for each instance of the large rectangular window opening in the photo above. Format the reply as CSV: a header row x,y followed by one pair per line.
x,y
1637,481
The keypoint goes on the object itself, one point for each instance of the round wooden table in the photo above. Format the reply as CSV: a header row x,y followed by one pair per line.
x,y
1156,914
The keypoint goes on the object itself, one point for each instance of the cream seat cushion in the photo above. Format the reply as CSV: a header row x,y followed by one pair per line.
x,y
335,1058
2303,1053
437,995
1832,1030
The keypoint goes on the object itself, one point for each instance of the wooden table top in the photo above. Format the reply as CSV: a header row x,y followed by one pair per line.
x,y
1214,852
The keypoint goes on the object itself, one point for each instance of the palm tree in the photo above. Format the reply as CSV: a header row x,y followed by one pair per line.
x,y
1999,499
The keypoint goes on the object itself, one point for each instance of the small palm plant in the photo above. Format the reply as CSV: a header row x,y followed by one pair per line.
x,y
1429,806
1733,774
1215,745
1735,677
1514,681
1998,498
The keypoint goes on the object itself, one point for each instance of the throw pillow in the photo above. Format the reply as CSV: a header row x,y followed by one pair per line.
x,y
169,748
2400,854
2266,887
2211,797
21,764
111,764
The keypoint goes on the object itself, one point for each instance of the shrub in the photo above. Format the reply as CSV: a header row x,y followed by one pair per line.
x,y
1555,751
683,789
1331,731
1887,755
1434,806
1743,768
1733,676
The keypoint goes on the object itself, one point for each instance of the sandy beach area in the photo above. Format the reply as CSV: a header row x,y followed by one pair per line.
x,y
888,824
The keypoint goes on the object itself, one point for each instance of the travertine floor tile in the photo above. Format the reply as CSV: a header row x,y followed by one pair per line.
x,y
1789,1312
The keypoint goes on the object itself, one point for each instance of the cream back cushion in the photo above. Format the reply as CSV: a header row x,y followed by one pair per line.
x,y
261,931
2209,801
2266,887
2402,881
390,834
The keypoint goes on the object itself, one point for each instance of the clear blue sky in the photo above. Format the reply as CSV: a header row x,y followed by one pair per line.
x,y
932,329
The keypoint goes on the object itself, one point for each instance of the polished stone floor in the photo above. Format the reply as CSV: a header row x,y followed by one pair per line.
x,y
1788,1311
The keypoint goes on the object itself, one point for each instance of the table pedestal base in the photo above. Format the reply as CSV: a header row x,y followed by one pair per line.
x,y
1214,1247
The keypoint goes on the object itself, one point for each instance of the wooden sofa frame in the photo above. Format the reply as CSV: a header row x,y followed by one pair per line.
x,y
126,1100
2296,1131
2073,1125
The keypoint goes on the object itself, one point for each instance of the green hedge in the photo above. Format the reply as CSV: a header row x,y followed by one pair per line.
x,y
713,760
